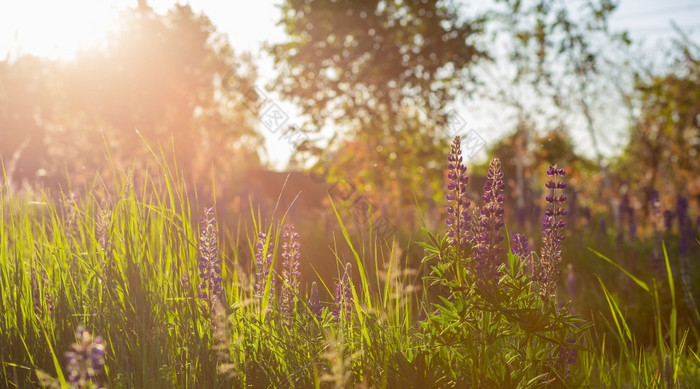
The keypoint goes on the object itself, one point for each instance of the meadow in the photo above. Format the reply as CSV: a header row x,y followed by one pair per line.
x,y
137,286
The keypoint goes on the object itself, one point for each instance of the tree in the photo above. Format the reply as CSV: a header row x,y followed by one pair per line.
x,y
380,73
554,75
664,146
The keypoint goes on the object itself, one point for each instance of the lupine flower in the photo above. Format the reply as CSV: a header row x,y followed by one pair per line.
x,y
668,220
290,271
263,262
343,294
602,229
85,359
623,209
552,224
489,236
458,204
521,247
210,288
685,226
315,301
682,211
567,356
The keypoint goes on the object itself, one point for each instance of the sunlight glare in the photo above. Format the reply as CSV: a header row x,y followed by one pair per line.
x,y
56,30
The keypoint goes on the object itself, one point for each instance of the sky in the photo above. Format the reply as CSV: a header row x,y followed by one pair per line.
x,y
58,29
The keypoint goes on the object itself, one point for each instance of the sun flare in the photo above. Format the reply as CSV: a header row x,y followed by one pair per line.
x,y
55,29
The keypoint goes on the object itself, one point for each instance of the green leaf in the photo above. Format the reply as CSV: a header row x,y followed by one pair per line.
x,y
639,282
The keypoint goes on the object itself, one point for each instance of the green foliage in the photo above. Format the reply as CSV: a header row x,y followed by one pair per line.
x,y
127,270
664,145
501,333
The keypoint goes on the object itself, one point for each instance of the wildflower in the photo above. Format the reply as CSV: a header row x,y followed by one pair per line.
x,y
343,294
458,204
85,359
552,224
521,246
668,220
210,289
685,226
489,235
315,301
626,212
263,262
290,272
567,356
682,212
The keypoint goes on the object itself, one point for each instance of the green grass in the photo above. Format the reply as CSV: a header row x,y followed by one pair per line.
x,y
433,326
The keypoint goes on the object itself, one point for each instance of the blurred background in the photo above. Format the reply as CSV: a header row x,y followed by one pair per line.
x,y
359,100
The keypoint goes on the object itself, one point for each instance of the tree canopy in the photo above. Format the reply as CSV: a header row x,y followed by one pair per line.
x,y
379,72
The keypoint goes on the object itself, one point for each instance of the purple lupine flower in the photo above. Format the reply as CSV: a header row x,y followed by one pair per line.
x,y
458,204
263,263
567,356
210,288
668,220
85,359
343,294
682,211
290,272
685,226
521,246
489,236
552,224
315,301
623,209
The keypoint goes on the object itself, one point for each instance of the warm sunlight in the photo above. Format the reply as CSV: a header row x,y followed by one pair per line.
x,y
55,29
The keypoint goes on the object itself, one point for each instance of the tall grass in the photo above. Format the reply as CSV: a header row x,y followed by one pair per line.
x,y
123,260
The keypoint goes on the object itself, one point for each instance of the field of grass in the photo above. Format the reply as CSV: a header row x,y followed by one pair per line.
x,y
141,288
